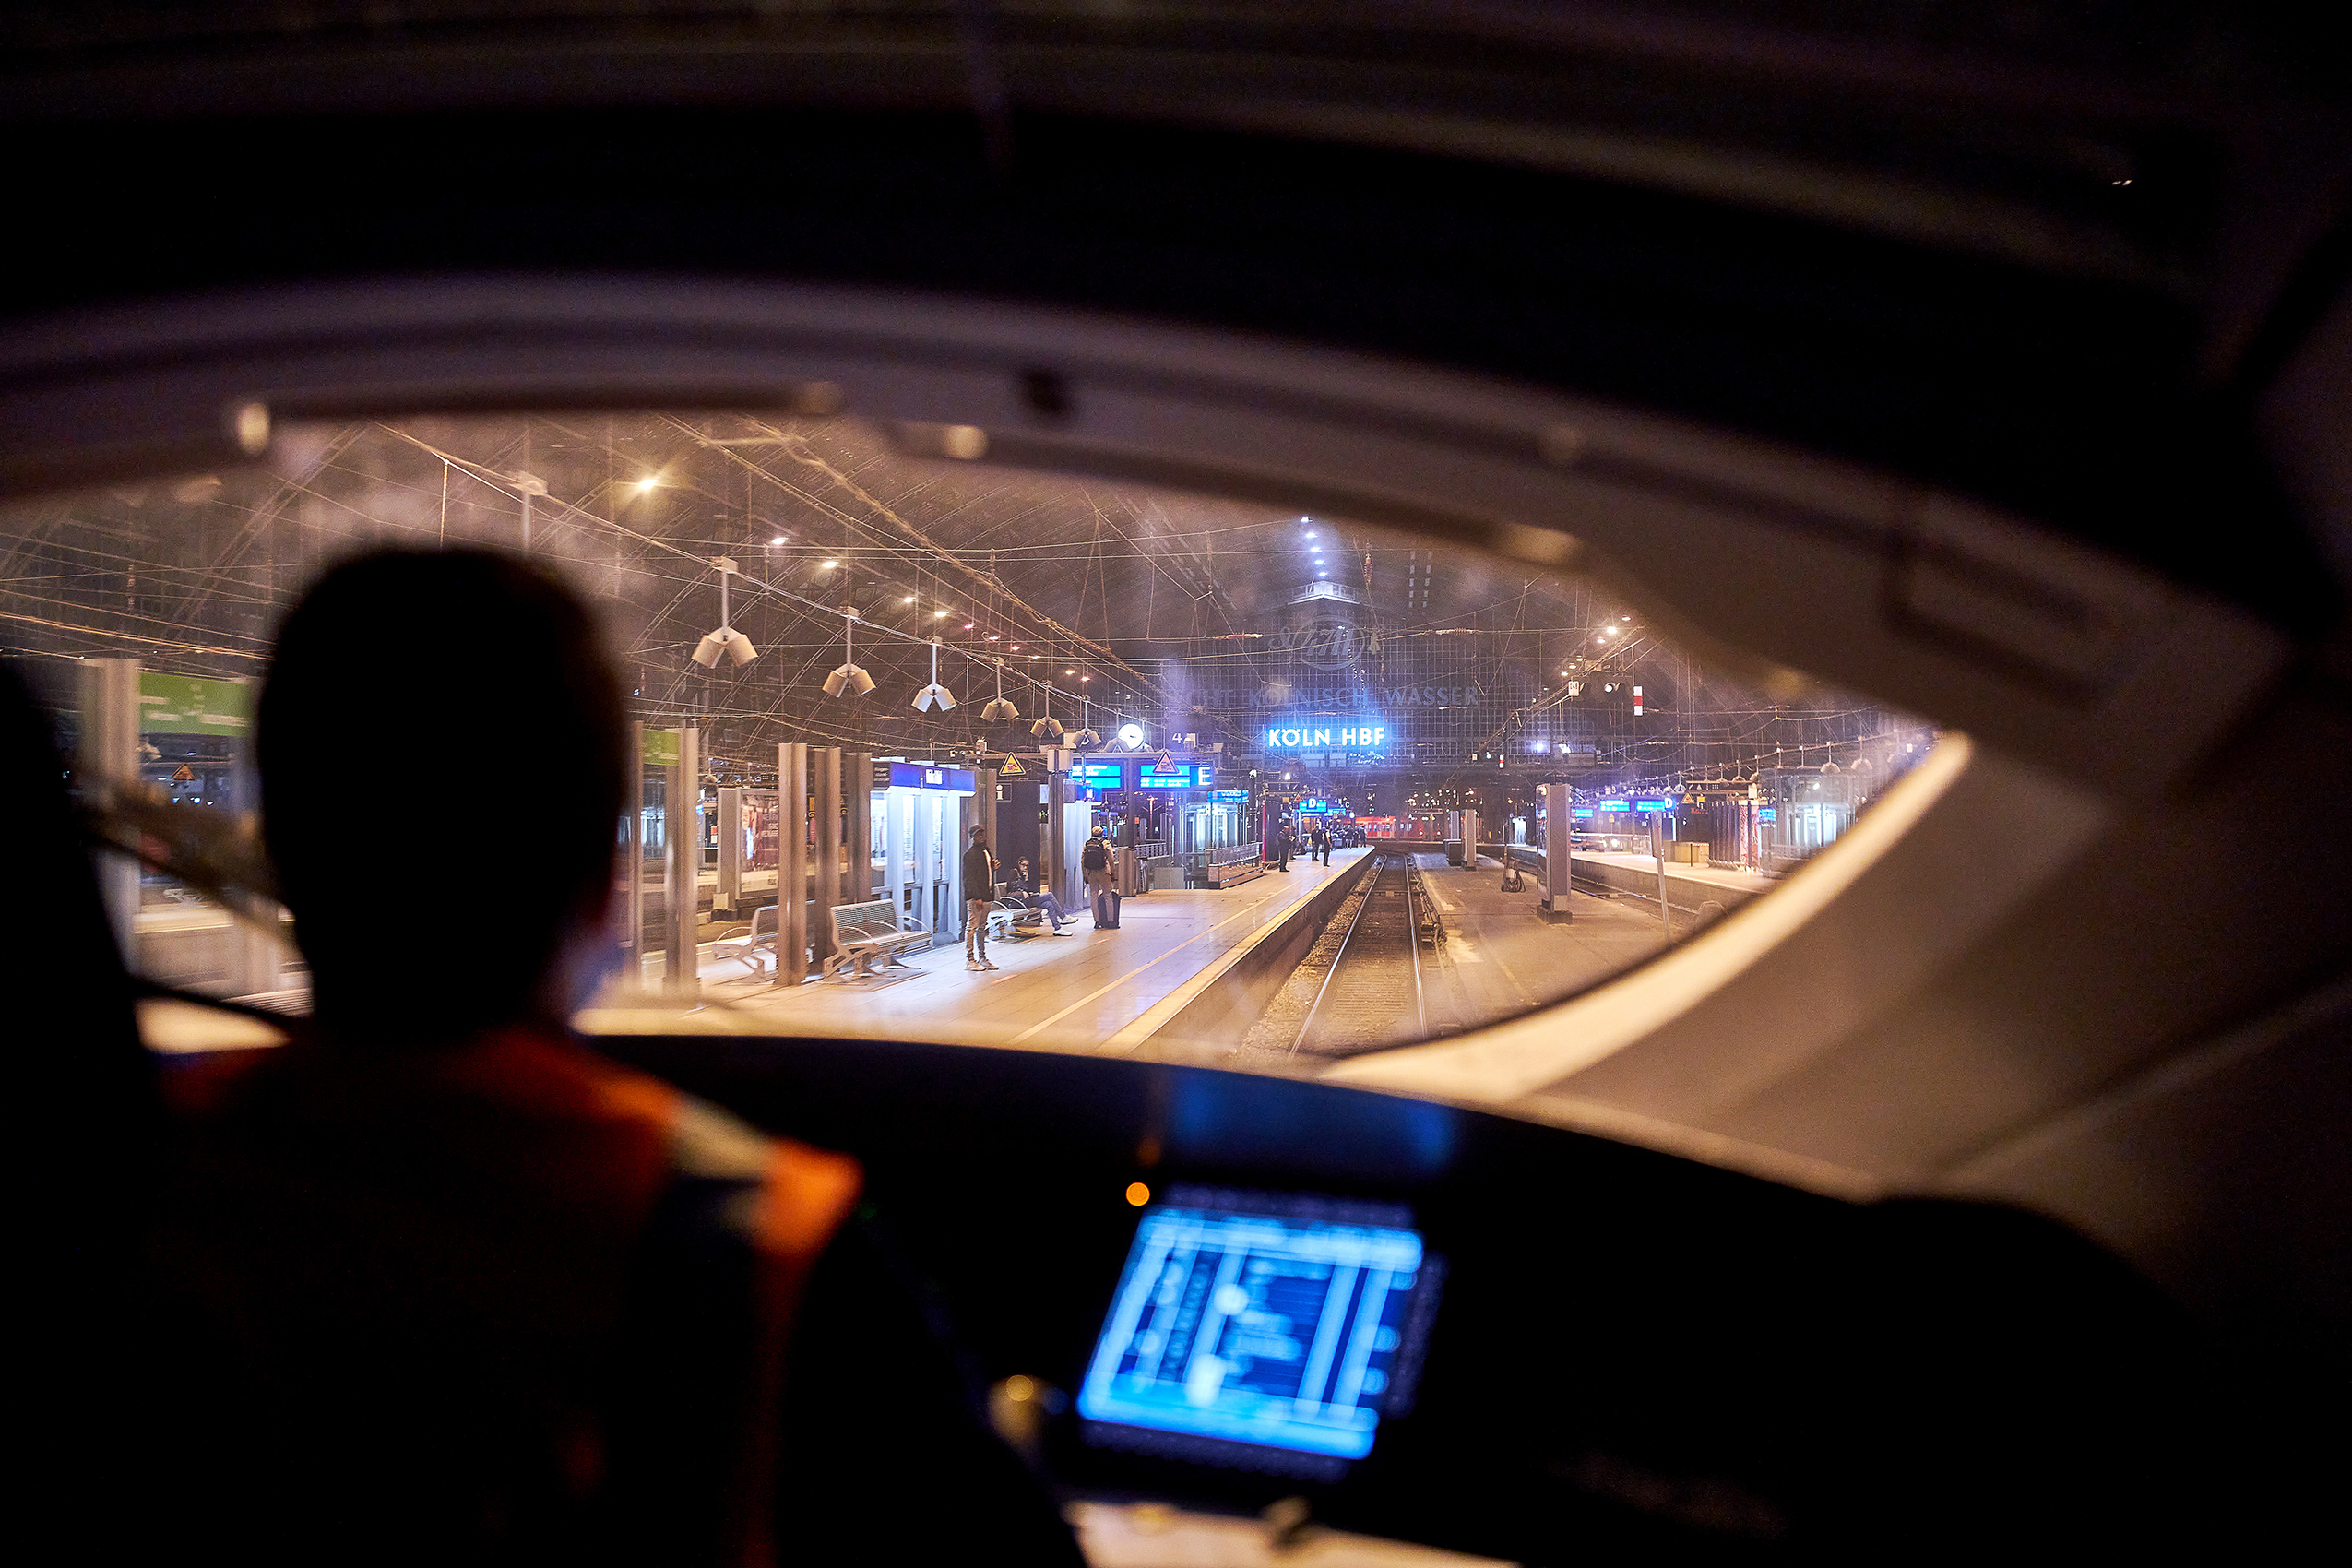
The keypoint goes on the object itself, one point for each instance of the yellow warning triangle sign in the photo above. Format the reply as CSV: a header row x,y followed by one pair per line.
x,y
1012,766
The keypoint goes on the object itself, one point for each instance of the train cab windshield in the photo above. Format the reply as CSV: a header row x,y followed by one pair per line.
x,y
1340,788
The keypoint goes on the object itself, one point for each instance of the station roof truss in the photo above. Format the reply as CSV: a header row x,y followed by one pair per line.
x,y
1202,620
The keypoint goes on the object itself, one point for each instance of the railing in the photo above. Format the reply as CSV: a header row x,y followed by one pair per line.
x,y
1197,861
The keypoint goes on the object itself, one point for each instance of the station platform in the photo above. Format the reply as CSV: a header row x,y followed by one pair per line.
x,y
1744,884
1087,991
1500,956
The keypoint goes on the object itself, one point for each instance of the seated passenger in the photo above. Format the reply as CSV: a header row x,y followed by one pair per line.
x,y
1022,887
450,1286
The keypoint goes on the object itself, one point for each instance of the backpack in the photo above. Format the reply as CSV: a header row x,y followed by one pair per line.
x,y
1094,857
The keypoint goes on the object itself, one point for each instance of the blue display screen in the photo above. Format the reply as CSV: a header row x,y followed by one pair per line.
x,y
1288,1331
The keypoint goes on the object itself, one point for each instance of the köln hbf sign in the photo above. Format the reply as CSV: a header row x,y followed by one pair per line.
x,y
1345,737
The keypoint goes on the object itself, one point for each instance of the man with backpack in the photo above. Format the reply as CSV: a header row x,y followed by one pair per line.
x,y
1095,861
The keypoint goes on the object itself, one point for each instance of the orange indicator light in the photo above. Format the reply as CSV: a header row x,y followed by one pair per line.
x,y
1138,1195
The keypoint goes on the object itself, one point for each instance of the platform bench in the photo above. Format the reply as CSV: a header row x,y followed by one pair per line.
x,y
1232,875
1010,920
863,932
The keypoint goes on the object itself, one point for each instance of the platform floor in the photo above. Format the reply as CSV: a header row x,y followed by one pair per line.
x,y
1502,957
1738,881
1080,992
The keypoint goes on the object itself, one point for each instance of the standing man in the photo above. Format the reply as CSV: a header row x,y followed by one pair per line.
x,y
979,896
1095,861
1323,842
1282,846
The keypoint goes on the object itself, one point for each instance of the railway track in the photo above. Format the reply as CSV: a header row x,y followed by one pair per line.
x,y
1373,993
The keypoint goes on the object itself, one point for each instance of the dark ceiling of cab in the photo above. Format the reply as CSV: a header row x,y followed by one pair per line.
x,y
2041,253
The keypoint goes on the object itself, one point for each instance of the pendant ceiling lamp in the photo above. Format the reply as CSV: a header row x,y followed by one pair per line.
x,y
725,640
934,697
849,677
1000,709
1045,729
1084,736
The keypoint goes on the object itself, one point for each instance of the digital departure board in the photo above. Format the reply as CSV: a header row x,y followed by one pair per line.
x,y
1255,1325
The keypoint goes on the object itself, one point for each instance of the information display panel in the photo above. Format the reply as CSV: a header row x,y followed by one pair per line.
x,y
1273,1323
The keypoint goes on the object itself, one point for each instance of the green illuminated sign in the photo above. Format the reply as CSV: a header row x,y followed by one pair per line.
x,y
661,747
191,705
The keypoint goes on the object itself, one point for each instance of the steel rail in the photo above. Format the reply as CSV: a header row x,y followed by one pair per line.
x,y
1339,957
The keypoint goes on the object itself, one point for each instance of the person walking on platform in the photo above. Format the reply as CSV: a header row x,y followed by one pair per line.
x,y
1095,861
979,897
1321,843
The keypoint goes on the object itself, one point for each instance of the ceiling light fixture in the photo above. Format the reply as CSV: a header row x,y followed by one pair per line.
x,y
725,640
1000,710
849,676
1046,729
934,697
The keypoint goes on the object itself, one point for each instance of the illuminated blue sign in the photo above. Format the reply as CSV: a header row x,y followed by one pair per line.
x,y
1766,813
1582,814
1652,803
1613,805
1324,737
916,776
1231,796
1099,775
1175,776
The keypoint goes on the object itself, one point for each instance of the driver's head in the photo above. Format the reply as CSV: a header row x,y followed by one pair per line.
x,y
442,746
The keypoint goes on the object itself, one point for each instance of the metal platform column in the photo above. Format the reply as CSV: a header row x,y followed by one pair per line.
x,y
1559,830
857,794
791,863
110,761
728,901
828,850
682,839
